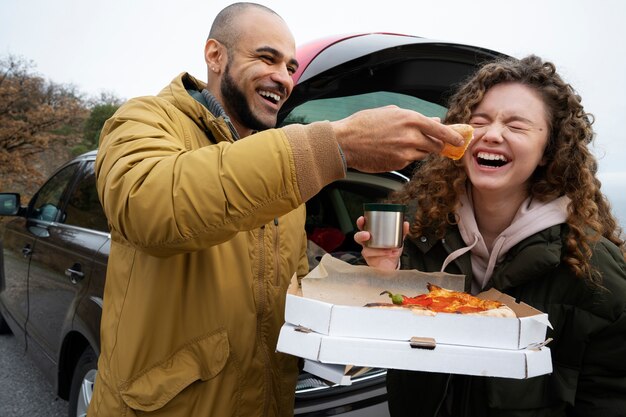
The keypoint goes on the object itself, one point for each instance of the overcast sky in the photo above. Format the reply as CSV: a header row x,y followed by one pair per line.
x,y
135,47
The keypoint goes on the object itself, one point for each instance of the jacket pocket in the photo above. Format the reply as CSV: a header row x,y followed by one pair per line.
x,y
200,360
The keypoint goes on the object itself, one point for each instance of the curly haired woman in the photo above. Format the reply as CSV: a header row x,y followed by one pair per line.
x,y
522,212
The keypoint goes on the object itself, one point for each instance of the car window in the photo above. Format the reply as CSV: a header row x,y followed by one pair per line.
x,y
47,202
332,214
340,107
83,206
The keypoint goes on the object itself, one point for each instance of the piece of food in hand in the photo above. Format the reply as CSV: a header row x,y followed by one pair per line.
x,y
441,300
456,152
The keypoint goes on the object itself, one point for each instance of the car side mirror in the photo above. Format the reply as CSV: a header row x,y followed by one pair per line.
x,y
10,204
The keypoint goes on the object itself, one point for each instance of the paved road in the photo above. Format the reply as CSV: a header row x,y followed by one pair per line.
x,y
23,390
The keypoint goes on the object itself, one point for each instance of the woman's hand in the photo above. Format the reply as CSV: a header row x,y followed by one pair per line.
x,y
386,259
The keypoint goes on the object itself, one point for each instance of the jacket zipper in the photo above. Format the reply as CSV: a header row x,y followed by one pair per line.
x,y
259,320
443,397
276,253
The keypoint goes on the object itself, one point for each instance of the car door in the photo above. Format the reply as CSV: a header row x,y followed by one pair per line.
x,y
18,243
61,261
21,238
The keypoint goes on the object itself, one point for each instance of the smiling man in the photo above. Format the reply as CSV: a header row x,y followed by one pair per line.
x,y
205,204
238,76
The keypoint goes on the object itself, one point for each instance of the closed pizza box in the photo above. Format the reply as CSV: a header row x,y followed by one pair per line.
x,y
335,373
326,356
332,297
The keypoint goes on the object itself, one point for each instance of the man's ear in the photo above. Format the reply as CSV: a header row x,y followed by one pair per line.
x,y
213,55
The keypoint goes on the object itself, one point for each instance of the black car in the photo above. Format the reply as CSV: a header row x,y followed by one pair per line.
x,y
54,253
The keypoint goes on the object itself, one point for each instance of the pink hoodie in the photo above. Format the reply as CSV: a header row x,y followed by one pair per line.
x,y
532,217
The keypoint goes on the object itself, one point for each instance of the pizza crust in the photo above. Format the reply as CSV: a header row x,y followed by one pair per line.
x,y
420,311
502,311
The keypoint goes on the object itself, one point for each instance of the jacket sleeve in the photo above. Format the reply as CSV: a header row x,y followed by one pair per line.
x,y
601,389
164,195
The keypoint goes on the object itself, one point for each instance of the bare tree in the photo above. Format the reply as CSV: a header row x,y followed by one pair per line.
x,y
35,115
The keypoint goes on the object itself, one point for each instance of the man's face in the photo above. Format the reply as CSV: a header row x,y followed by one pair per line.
x,y
237,103
257,78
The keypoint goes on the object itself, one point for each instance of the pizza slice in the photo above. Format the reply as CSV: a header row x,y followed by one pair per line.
x,y
441,300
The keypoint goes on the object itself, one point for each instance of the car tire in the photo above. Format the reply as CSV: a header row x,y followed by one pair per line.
x,y
82,383
4,326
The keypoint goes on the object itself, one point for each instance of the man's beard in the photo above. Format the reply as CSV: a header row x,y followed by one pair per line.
x,y
238,103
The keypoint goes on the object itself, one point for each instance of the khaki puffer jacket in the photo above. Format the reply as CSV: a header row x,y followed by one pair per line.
x,y
206,235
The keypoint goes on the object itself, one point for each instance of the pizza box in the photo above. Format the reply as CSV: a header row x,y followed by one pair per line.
x,y
334,373
327,356
331,299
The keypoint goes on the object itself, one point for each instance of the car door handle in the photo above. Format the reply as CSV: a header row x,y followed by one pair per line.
x,y
74,273
27,251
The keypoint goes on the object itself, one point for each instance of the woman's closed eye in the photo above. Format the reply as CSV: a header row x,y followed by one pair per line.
x,y
516,127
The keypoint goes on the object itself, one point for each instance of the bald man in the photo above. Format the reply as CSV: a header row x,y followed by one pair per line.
x,y
205,201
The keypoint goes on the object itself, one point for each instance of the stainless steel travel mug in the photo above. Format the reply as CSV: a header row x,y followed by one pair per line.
x,y
384,222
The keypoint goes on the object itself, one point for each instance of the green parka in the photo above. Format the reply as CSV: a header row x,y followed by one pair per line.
x,y
206,235
589,336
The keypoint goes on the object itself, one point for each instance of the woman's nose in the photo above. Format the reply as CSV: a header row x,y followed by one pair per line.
x,y
490,133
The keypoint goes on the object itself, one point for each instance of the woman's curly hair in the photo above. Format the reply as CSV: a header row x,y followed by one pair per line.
x,y
570,169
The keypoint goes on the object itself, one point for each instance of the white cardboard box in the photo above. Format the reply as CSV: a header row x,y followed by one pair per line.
x,y
339,291
396,324
467,360
338,374
331,330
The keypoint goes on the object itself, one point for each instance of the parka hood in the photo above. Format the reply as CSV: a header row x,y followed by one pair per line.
x,y
532,216
177,93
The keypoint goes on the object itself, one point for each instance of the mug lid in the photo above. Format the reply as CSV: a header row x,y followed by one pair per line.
x,y
383,207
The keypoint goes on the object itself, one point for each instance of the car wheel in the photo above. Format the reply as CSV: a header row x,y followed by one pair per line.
x,y
82,383
4,326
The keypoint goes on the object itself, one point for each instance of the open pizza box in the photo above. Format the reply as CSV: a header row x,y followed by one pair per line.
x,y
327,323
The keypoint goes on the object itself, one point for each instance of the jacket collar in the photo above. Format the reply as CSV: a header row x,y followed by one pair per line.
x,y
532,216
214,106
530,259
177,92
